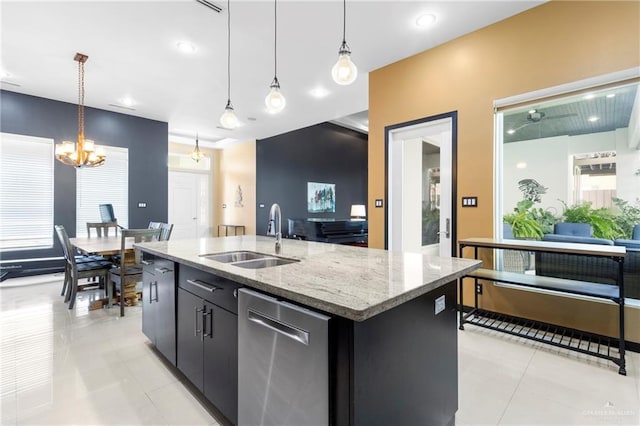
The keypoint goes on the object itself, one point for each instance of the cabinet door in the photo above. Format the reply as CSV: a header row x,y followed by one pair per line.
x,y
221,360
189,354
164,301
148,307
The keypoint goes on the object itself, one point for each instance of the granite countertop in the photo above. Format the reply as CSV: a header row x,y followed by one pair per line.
x,y
352,282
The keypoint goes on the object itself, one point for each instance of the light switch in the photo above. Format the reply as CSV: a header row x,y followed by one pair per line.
x,y
469,201
142,205
378,202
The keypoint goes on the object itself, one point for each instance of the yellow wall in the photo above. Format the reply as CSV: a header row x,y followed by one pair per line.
x,y
236,166
552,44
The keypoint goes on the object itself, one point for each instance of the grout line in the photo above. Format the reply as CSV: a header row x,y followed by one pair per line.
x,y
535,350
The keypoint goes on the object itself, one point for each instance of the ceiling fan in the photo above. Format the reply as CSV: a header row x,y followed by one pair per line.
x,y
535,116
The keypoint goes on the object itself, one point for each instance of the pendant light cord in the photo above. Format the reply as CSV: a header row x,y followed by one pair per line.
x,y
81,98
275,39
228,52
344,21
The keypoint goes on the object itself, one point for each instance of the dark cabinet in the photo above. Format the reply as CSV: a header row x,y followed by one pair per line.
x,y
159,305
208,337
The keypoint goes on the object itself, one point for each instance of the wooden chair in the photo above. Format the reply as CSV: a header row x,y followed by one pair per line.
x,y
100,227
165,227
74,271
128,273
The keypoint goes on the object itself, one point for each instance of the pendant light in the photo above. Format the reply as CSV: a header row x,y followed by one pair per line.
x,y
197,155
344,71
228,118
84,152
275,100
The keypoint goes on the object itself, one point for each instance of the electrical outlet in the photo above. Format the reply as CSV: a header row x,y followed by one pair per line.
x,y
478,288
440,305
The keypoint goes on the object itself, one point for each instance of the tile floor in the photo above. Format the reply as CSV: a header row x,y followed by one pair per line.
x,y
93,367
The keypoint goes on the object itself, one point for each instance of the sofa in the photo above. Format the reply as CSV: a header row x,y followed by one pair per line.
x,y
592,269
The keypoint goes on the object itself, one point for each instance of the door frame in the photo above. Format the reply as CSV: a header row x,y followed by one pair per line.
x,y
453,115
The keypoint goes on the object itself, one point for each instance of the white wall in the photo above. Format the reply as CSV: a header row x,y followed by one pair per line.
x,y
549,162
628,163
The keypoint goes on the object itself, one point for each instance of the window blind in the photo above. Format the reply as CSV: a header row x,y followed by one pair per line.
x,y
107,184
26,192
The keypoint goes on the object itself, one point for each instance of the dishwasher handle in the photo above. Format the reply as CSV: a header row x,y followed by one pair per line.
x,y
273,324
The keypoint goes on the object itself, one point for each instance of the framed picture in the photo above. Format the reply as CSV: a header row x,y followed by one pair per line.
x,y
321,197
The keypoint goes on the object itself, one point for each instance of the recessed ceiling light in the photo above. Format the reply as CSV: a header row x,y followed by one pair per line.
x,y
426,20
186,47
611,95
589,96
127,101
593,118
511,131
319,92
521,165
532,111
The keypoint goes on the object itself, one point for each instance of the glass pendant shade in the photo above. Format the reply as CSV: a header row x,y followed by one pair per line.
x,y
228,119
344,71
275,100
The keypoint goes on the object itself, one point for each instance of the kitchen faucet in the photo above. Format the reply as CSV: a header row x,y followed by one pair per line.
x,y
276,215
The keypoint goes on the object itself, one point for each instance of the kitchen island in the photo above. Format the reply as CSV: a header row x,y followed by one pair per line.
x,y
392,343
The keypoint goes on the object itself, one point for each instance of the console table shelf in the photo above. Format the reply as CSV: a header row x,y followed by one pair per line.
x,y
587,343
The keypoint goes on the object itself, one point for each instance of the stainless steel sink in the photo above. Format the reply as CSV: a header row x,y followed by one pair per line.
x,y
264,263
234,256
248,259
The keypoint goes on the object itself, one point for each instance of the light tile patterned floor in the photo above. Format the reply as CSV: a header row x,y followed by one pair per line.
x,y
93,367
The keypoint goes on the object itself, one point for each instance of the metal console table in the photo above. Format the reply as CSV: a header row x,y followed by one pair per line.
x,y
575,340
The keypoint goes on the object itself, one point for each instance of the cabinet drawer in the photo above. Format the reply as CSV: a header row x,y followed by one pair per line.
x,y
157,265
215,289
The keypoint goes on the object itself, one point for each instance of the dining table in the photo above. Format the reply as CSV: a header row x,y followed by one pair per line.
x,y
104,246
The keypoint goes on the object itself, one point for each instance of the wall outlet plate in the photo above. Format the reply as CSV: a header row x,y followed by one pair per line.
x,y
440,304
478,288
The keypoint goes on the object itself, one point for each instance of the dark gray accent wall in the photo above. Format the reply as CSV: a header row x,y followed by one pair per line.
x,y
147,141
322,153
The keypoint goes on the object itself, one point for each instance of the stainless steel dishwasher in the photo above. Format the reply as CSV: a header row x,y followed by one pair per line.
x,y
283,363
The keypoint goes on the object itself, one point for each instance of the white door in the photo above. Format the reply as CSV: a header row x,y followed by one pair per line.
x,y
420,209
189,204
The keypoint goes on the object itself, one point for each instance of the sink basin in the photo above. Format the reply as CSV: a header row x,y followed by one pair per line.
x,y
234,256
248,259
264,262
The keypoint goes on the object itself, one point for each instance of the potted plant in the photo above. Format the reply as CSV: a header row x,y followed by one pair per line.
x,y
523,223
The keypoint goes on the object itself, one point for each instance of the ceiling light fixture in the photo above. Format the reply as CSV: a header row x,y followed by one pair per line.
x,y
511,131
593,118
186,47
426,20
197,155
127,102
611,95
275,100
344,71
84,152
319,92
589,96
228,118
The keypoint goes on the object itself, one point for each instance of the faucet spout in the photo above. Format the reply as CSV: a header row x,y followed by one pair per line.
x,y
275,215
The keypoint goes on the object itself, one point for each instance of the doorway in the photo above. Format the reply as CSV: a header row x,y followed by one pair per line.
x,y
421,185
189,204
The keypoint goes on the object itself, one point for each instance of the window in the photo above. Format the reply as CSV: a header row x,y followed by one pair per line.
x,y
107,184
26,192
571,156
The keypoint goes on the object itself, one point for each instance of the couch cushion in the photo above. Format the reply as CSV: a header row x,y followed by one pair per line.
x,y
574,229
573,239
633,244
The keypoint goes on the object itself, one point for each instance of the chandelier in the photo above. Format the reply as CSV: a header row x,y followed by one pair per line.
x,y
84,152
